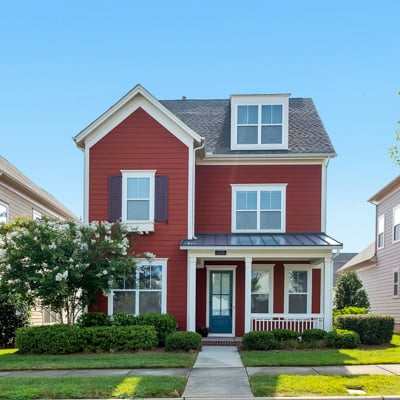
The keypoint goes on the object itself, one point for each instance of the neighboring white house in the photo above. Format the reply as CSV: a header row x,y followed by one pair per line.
x,y
378,265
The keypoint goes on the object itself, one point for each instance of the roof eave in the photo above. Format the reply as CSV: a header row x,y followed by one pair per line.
x,y
262,248
263,156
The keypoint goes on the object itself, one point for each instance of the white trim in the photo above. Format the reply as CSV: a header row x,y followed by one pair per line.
x,y
270,268
36,214
379,231
298,267
191,294
141,225
327,292
247,294
231,268
260,100
86,178
259,188
324,188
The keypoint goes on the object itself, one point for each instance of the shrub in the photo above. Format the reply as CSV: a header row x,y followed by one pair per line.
x,y
350,310
49,339
184,341
93,319
313,335
259,340
342,339
164,324
123,320
284,335
372,328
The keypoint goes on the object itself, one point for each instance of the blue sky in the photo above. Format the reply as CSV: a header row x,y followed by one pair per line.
x,y
63,63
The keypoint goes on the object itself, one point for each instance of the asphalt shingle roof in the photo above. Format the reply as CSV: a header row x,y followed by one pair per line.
x,y
212,120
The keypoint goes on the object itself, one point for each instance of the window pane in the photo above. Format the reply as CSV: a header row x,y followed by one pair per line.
x,y
270,220
124,302
216,283
242,115
247,135
225,284
397,232
271,114
138,210
396,216
150,277
225,305
216,305
150,302
271,134
380,239
260,303
298,304
270,200
297,281
138,188
246,200
260,281
276,200
125,282
246,220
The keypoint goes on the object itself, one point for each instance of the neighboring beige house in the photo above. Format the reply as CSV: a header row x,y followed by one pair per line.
x,y
19,196
378,265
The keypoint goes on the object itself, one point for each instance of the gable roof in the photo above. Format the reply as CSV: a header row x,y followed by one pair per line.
x,y
366,258
212,120
386,191
10,174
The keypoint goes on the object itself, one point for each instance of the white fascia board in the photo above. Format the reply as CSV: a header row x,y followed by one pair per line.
x,y
261,251
137,97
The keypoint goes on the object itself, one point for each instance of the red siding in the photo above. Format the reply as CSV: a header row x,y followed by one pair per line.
x,y
140,142
214,194
316,291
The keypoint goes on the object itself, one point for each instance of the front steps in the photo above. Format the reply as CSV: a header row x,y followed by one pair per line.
x,y
222,341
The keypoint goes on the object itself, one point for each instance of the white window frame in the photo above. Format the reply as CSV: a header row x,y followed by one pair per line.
x,y
5,205
140,263
304,268
396,213
380,230
259,101
259,188
144,226
270,269
396,284
36,214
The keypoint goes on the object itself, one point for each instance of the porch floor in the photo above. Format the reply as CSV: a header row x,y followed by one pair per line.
x,y
222,341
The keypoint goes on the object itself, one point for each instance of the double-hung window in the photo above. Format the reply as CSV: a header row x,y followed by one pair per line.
x,y
381,231
138,199
141,292
261,289
396,223
3,213
396,283
258,208
298,290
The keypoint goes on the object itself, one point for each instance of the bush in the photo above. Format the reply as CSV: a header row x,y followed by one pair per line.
x,y
121,338
123,320
350,310
259,340
284,335
313,335
93,319
183,341
49,339
372,328
342,339
164,324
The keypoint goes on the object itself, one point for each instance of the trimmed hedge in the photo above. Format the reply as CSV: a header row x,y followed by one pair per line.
x,y
259,340
313,335
183,341
372,328
285,335
350,310
64,339
342,339
93,319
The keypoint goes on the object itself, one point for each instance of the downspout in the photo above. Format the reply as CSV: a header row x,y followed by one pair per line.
x,y
202,144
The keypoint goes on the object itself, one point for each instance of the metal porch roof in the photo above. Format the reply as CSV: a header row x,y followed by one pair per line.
x,y
211,240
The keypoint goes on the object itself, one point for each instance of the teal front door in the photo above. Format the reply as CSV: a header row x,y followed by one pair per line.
x,y
221,302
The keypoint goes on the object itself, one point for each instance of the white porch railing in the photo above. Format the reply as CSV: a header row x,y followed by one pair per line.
x,y
286,321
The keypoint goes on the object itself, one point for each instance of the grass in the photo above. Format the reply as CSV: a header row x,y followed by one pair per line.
x,y
91,387
372,355
11,361
321,385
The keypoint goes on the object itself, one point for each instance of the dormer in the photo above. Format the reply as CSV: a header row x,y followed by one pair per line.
x,y
259,122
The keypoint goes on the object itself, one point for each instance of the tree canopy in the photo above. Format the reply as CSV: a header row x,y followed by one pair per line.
x,y
349,292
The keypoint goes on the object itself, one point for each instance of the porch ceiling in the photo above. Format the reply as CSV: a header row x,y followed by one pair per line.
x,y
260,241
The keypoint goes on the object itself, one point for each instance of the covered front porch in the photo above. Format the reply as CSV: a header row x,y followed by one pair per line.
x,y
237,283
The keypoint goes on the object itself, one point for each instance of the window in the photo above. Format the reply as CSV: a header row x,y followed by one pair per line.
x,y
261,290
381,231
298,287
49,316
36,214
143,292
3,213
259,122
258,208
138,199
396,223
396,283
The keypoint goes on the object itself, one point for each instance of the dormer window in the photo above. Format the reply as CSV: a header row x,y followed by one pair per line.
x,y
259,122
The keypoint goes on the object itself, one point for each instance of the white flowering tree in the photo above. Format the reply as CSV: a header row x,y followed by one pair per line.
x,y
63,264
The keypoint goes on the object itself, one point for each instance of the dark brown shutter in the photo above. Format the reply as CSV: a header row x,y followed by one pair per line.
x,y
161,198
114,198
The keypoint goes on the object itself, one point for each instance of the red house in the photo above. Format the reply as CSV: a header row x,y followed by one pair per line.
x,y
230,196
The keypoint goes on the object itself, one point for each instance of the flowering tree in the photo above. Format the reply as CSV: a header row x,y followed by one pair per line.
x,y
63,264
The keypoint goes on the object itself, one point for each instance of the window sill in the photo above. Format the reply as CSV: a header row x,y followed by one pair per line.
x,y
142,227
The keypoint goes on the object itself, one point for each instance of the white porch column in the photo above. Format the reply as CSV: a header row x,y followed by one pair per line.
x,y
191,294
328,293
247,295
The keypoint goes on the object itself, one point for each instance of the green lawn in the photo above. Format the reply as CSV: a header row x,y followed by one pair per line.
x,y
372,355
11,361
